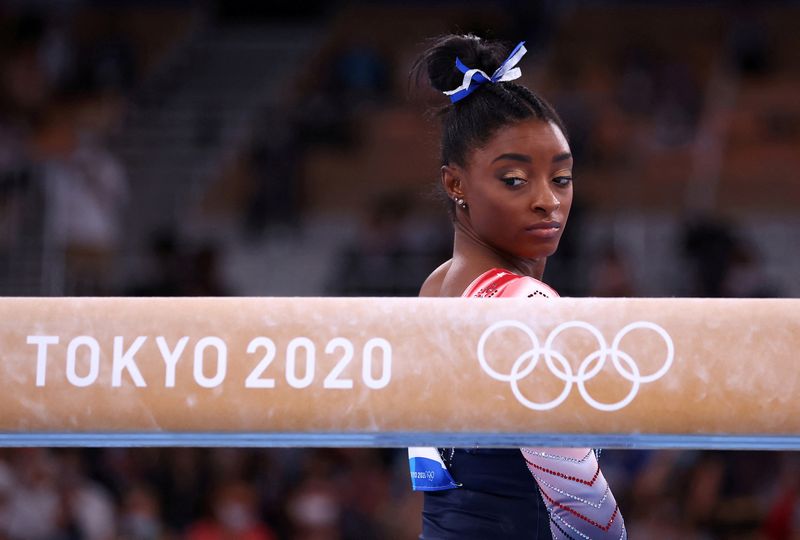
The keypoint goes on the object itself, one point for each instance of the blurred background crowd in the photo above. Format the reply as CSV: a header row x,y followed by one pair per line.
x,y
186,148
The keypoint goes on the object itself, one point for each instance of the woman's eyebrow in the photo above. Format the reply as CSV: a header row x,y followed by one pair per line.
x,y
562,157
515,157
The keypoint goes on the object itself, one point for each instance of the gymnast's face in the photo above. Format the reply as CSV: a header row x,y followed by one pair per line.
x,y
518,189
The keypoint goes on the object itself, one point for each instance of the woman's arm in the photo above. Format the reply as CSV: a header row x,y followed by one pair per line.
x,y
577,496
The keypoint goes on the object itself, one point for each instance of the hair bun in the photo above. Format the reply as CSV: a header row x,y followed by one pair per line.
x,y
439,60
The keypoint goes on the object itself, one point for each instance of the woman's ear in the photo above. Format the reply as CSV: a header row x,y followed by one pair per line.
x,y
451,181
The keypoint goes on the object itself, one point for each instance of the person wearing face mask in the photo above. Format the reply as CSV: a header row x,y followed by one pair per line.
x,y
234,516
507,173
139,518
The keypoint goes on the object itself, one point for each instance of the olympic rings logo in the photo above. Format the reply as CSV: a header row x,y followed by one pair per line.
x,y
588,369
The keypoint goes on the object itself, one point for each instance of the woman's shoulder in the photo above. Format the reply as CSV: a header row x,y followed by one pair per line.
x,y
450,279
493,283
433,285
500,283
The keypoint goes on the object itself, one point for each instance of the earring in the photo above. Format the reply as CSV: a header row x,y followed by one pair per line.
x,y
462,203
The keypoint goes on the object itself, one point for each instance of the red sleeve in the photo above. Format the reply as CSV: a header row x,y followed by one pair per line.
x,y
498,283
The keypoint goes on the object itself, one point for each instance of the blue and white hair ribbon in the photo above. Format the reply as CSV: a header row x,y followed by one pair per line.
x,y
473,78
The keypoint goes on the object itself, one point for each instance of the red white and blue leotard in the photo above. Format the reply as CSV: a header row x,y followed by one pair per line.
x,y
486,493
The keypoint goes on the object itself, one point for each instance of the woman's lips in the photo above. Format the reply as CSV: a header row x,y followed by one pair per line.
x,y
545,230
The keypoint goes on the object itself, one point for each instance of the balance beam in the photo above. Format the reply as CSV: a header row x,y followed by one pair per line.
x,y
621,373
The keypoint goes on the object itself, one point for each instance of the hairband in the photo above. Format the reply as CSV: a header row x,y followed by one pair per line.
x,y
473,78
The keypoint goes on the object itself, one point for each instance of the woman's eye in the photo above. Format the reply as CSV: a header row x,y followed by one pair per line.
x,y
513,181
562,180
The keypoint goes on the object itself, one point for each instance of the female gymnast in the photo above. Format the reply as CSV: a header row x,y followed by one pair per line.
x,y
507,172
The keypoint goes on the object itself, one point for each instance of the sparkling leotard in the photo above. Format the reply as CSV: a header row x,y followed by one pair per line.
x,y
535,493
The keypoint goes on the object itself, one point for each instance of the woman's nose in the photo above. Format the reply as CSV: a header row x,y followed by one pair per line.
x,y
545,201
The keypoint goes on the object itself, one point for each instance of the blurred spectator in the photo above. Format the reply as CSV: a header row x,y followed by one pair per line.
x,y
276,159
724,264
140,516
356,74
573,105
112,61
185,477
709,246
164,269
678,105
359,494
610,275
314,507
57,53
86,507
233,516
726,491
637,80
660,89
745,277
783,514
15,185
24,84
34,506
365,493
535,22
174,269
359,73
203,278
390,255
86,191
